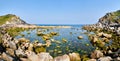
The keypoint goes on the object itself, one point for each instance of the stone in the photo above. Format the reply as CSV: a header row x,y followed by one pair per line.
x,y
10,52
118,58
62,58
30,47
95,39
45,56
24,59
21,40
12,45
39,49
80,37
48,43
64,40
46,37
105,59
96,54
91,60
32,56
6,57
74,56
53,33
19,52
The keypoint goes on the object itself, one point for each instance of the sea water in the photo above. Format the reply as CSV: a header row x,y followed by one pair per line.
x,y
73,44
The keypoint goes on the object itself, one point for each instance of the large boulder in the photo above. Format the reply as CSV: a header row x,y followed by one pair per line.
x,y
74,57
91,60
105,59
45,56
32,56
12,45
20,53
62,58
96,54
10,52
6,57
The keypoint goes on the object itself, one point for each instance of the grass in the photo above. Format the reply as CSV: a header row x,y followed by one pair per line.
x,y
5,18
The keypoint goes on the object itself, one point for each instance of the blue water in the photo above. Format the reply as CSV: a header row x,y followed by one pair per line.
x,y
82,46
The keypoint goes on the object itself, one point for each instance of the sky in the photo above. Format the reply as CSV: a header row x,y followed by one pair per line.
x,y
59,11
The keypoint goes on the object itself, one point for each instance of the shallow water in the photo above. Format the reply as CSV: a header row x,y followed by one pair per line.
x,y
73,44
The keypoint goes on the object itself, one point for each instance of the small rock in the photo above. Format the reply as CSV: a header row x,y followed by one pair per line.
x,y
64,40
80,37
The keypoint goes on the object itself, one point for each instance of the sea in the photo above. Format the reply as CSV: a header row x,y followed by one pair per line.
x,y
73,44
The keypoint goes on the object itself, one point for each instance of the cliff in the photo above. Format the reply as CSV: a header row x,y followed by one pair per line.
x,y
112,18
11,19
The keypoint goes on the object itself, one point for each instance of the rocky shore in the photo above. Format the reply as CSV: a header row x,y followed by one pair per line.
x,y
105,39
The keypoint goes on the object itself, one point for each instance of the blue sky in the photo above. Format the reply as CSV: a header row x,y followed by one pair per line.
x,y
59,11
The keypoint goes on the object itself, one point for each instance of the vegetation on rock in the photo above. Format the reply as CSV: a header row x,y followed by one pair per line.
x,y
10,18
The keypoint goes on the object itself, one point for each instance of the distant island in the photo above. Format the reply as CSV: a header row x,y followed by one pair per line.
x,y
105,39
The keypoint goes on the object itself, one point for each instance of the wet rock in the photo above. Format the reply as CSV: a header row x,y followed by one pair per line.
x,y
6,57
91,60
46,37
80,37
59,51
39,49
74,56
96,54
105,59
45,56
84,58
62,58
53,33
64,40
21,40
40,33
